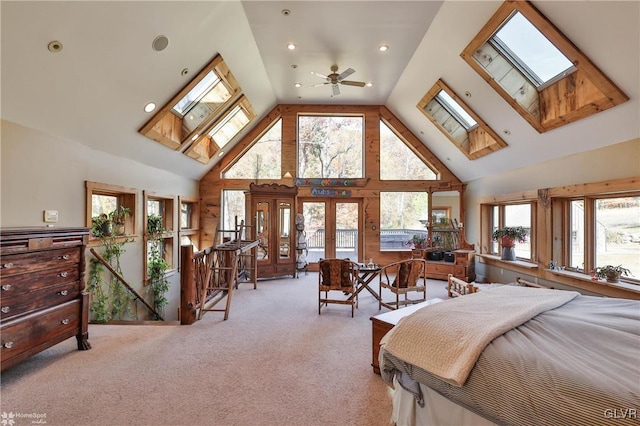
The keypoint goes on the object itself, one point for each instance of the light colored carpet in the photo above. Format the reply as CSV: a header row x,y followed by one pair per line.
x,y
275,361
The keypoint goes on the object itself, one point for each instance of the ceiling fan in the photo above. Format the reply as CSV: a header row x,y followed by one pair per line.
x,y
335,79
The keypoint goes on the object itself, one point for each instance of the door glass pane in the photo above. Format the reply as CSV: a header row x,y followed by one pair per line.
x,y
314,226
347,231
284,219
576,236
520,215
262,228
618,233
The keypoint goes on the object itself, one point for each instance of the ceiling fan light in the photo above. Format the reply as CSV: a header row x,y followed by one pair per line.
x,y
369,84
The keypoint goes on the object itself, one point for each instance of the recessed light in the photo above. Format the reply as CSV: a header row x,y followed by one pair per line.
x,y
506,132
149,107
297,85
221,153
184,71
291,46
369,84
467,94
383,48
286,12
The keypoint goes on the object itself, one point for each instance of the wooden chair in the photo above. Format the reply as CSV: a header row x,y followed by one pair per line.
x,y
337,275
401,278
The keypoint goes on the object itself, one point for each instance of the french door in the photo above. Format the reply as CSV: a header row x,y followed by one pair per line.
x,y
332,228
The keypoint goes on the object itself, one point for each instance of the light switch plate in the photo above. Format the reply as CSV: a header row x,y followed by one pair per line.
x,y
51,215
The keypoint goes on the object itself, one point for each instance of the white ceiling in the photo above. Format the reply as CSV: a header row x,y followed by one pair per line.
x,y
94,90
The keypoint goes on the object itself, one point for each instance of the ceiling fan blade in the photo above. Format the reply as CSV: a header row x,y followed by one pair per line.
x,y
320,84
320,75
346,73
353,83
336,89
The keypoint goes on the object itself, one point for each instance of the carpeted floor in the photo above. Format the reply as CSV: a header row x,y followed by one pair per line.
x,y
275,361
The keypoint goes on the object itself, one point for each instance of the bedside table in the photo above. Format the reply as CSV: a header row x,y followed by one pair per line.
x,y
382,323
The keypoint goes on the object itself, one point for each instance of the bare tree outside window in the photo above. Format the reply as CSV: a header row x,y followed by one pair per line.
x,y
330,146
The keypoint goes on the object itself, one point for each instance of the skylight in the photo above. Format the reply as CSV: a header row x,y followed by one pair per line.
x,y
456,110
229,127
529,50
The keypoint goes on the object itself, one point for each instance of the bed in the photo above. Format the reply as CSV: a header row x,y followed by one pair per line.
x,y
516,355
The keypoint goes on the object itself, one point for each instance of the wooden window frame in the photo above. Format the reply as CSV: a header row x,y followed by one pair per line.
x,y
573,97
193,232
486,221
127,197
475,143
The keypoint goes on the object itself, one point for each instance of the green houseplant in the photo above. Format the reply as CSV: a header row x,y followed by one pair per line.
x,y
156,264
507,237
118,218
611,273
417,241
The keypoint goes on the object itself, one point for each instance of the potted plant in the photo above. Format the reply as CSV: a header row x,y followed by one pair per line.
x,y
417,241
508,237
118,218
100,226
611,273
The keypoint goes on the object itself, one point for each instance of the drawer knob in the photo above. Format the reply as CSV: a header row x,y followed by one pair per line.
x,y
8,345
6,287
7,265
65,321
5,309
63,292
64,274
65,257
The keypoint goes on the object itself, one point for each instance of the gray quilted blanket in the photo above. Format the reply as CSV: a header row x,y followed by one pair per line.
x,y
577,364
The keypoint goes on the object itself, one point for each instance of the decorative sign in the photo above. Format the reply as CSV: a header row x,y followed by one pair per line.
x,y
326,192
323,182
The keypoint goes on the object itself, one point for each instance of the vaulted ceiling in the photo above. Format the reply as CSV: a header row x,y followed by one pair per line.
x,y
93,91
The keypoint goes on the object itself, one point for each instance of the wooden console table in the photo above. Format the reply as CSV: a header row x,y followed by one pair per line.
x,y
382,323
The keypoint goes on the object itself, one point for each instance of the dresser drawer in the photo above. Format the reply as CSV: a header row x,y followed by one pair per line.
x,y
30,262
17,303
24,333
25,283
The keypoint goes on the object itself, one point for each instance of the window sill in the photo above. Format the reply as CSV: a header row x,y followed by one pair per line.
x,y
584,277
493,259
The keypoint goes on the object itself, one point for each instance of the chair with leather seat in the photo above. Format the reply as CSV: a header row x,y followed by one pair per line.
x,y
337,275
402,278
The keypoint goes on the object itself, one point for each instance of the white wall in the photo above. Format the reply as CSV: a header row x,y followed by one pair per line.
x,y
617,161
40,172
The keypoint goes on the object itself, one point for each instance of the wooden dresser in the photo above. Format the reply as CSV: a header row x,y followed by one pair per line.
x,y
42,290
463,266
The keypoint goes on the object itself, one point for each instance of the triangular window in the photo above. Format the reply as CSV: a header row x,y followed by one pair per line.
x,y
398,161
262,160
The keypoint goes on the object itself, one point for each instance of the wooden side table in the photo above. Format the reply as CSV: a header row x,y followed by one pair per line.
x,y
382,323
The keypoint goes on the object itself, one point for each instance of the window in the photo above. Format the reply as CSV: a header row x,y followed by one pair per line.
x,y
404,164
233,210
402,215
511,214
330,146
192,111
537,70
104,200
188,232
262,160
223,130
159,227
468,132
530,51
604,231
